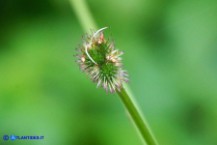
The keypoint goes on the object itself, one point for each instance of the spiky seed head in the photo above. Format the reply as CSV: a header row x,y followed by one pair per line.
x,y
100,60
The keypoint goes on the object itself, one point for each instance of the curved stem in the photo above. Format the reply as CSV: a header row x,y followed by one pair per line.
x,y
136,116
84,15
88,23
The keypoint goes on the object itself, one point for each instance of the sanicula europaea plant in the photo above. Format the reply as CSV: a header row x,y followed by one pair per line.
x,y
101,61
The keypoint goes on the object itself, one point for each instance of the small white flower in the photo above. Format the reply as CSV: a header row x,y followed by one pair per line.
x,y
99,59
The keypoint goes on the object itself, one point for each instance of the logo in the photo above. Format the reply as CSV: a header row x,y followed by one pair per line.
x,y
24,137
13,137
5,137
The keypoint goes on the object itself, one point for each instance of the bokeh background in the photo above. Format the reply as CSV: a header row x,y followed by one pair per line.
x,y
170,53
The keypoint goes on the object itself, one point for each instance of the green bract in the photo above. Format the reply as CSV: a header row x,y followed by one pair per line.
x,y
101,61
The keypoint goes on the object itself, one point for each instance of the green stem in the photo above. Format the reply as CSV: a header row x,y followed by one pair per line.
x,y
84,15
87,21
136,116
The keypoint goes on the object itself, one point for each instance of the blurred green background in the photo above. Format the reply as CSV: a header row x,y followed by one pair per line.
x,y
170,53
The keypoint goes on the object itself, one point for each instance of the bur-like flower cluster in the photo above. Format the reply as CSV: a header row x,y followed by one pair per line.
x,y
99,59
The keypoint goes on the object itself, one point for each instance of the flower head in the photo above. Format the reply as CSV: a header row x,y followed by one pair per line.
x,y
100,60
